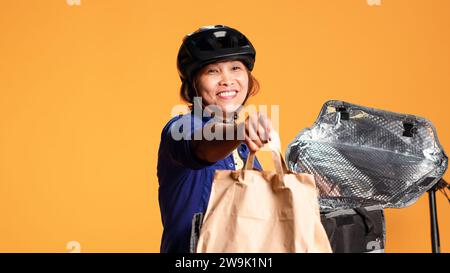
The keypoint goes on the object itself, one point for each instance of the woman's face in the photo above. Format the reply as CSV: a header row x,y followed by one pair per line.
x,y
224,84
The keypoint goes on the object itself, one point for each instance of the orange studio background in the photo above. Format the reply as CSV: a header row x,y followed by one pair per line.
x,y
86,87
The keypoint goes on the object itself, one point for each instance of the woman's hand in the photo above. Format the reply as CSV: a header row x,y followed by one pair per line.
x,y
256,131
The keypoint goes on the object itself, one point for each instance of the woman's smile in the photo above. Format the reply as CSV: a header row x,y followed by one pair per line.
x,y
227,94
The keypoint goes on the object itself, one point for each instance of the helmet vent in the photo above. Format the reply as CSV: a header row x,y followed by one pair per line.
x,y
220,34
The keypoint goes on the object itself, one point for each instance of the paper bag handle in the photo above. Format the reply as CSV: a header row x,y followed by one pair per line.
x,y
277,157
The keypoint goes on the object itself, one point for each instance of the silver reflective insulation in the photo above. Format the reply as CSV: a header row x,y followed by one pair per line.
x,y
363,156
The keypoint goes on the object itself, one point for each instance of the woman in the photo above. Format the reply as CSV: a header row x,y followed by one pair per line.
x,y
214,64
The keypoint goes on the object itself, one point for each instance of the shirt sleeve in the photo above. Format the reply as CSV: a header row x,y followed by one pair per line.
x,y
177,144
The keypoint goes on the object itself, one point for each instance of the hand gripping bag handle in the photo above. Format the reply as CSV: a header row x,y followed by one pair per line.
x,y
277,157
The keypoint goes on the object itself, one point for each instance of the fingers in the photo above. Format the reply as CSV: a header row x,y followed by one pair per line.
x,y
251,145
252,131
264,128
266,125
257,131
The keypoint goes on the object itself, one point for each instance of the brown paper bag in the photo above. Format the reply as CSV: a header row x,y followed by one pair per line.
x,y
254,211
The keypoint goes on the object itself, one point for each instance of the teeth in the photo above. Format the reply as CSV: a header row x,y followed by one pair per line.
x,y
227,94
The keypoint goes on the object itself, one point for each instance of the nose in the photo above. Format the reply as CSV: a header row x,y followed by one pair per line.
x,y
226,79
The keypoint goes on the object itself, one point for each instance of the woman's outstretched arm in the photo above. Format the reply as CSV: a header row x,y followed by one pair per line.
x,y
254,132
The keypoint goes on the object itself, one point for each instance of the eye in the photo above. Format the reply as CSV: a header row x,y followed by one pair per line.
x,y
236,67
212,70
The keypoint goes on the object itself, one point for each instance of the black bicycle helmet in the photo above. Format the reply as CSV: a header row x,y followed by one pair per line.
x,y
209,44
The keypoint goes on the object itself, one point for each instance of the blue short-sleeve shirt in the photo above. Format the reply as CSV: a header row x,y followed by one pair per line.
x,y
185,180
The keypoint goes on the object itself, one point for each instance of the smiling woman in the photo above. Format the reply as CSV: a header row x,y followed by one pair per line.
x,y
224,84
214,64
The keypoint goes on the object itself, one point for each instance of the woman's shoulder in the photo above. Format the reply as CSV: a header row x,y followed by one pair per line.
x,y
176,119
187,117
188,121
181,126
